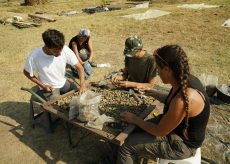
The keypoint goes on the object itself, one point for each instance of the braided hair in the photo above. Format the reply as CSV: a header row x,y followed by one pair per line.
x,y
174,57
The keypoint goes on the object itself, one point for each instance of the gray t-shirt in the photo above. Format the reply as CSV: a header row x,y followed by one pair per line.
x,y
141,69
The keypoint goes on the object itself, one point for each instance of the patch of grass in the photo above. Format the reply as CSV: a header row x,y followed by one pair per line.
x,y
199,32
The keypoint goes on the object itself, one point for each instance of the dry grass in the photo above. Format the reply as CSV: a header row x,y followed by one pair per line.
x,y
199,32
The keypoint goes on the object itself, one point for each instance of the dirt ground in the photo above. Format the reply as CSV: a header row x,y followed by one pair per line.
x,y
199,32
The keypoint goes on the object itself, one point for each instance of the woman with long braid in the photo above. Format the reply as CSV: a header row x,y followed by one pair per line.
x,y
180,130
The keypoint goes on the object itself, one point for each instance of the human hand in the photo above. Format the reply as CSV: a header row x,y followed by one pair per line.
x,y
48,88
82,63
123,84
83,88
128,117
90,59
142,90
116,79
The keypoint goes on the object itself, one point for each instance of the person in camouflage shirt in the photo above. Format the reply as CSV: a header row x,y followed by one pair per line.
x,y
140,68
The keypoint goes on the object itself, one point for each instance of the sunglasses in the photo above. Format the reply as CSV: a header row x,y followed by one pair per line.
x,y
155,54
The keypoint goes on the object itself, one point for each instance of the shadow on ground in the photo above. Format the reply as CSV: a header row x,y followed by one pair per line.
x,y
52,147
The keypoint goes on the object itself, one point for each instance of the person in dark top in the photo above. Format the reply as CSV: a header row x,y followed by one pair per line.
x,y
180,130
140,68
81,45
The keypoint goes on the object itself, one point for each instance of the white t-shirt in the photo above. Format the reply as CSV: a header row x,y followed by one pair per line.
x,y
51,70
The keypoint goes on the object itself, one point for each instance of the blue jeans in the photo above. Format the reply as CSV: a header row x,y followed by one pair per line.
x,y
87,69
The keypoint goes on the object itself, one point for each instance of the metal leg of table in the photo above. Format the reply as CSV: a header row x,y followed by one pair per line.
x,y
69,127
69,136
32,116
48,124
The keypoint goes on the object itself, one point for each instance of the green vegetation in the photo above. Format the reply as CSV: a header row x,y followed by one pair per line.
x,y
199,32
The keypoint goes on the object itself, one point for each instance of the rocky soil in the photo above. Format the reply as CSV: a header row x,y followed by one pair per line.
x,y
112,103
216,147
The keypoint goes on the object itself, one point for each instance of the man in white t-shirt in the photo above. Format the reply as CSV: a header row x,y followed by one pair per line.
x,y
50,63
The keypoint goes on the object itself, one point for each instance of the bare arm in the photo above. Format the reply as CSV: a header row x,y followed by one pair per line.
x,y
172,118
91,54
81,76
75,50
117,78
128,84
169,121
46,87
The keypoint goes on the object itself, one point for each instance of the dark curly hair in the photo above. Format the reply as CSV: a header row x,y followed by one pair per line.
x,y
174,57
53,38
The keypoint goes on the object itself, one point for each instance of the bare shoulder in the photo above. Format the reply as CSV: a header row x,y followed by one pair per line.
x,y
195,95
196,101
74,43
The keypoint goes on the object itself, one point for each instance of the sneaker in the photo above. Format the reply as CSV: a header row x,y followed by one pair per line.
x,y
93,64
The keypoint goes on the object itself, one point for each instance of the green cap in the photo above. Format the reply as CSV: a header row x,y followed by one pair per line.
x,y
132,44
